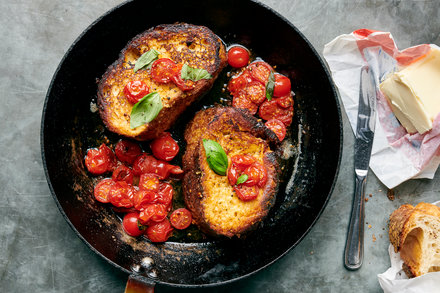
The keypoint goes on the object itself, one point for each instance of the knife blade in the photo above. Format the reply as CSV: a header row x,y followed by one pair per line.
x,y
354,247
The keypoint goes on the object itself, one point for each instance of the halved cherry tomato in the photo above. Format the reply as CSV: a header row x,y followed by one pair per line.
x,y
243,161
163,70
181,218
257,175
152,213
237,83
159,232
135,90
123,173
184,85
164,147
121,194
143,198
271,110
282,86
149,181
99,161
102,190
131,225
127,151
242,102
255,92
238,56
246,193
285,101
233,173
277,127
165,194
148,164
260,71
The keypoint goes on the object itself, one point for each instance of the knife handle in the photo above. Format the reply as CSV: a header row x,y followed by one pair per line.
x,y
354,247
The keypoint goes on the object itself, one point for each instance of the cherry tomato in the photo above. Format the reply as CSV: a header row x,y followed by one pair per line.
x,y
121,194
255,92
277,127
165,194
282,86
123,173
243,161
148,164
181,218
149,181
131,225
152,213
237,83
127,151
260,71
246,193
238,56
242,102
159,232
271,110
143,198
184,85
163,70
102,190
164,147
285,101
135,90
233,174
257,175
99,161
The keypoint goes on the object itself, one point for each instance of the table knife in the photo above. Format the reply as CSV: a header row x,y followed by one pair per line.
x,y
354,247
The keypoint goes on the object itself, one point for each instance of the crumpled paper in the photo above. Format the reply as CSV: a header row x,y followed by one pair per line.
x,y
395,280
396,155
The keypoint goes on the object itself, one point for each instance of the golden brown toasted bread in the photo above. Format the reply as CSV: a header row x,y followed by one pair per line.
x,y
415,233
196,46
215,207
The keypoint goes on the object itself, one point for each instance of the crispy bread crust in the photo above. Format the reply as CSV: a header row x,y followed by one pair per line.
x,y
196,46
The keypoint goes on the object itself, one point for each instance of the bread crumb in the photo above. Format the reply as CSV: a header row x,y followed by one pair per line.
x,y
366,199
374,238
369,226
390,194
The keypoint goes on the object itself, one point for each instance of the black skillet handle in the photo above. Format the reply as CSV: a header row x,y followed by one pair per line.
x,y
138,284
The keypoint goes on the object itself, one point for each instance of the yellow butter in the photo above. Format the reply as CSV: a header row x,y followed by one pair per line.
x,y
414,93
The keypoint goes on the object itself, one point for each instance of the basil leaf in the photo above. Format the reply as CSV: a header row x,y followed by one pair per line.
x,y
215,156
194,74
145,110
270,85
242,179
146,60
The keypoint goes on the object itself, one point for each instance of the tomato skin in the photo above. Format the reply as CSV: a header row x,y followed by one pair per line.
x,y
164,147
102,190
282,86
149,181
271,110
233,174
143,198
123,173
121,194
148,164
181,218
131,225
238,56
237,83
152,213
163,70
246,193
277,127
243,161
260,71
242,102
100,161
257,175
285,101
135,90
127,151
184,85
159,232
165,194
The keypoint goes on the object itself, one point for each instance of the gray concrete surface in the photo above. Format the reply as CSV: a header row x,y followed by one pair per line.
x,y
38,250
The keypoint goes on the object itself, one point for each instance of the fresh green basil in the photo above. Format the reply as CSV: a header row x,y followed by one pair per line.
x,y
215,156
145,110
242,179
146,60
194,74
270,85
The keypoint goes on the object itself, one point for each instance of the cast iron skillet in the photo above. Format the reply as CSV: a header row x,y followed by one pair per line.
x,y
69,127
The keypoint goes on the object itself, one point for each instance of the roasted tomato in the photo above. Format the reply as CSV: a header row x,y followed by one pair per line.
x,y
184,85
143,198
123,173
163,70
153,213
242,102
271,110
282,86
99,161
277,127
260,71
238,56
131,225
257,175
181,218
285,101
148,164
149,181
127,151
237,83
102,190
164,147
255,92
165,194
121,194
243,161
246,193
135,90
159,232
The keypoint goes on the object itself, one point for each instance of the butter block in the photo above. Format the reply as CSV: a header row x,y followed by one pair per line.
x,y
414,93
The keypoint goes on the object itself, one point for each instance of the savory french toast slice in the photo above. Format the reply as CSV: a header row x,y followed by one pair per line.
x,y
213,201
194,46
